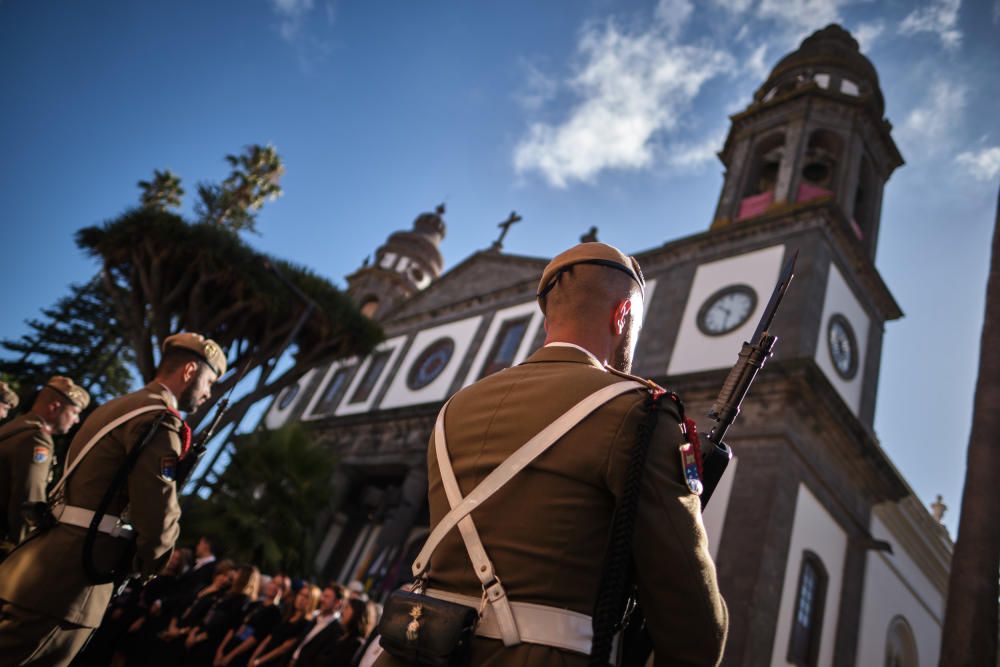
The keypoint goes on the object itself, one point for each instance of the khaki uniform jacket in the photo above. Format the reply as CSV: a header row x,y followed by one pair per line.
x,y
26,454
46,573
546,531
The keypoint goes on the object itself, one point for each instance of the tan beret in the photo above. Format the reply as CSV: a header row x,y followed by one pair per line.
x,y
205,348
600,254
8,396
77,395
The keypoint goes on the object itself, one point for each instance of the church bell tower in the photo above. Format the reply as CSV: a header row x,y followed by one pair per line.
x,y
814,130
407,263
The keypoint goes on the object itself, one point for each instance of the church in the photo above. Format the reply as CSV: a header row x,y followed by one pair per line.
x,y
825,556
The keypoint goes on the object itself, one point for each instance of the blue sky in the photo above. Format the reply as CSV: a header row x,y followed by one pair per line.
x,y
383,110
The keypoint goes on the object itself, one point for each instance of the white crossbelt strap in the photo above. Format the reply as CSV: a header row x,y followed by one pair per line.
x,y
110,426
81,517
460,508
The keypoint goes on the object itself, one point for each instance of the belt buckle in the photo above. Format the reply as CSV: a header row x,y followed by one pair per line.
x,y
486,593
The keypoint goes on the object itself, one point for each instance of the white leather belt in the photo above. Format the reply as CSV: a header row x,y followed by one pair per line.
x,y
81,517
536,623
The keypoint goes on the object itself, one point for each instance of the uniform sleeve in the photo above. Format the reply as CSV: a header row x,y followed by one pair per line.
x,y
37,479
678,589
152,492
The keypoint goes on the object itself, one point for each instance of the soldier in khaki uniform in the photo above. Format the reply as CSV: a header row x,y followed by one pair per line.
x,y
27,452
546,531
48,604
8,400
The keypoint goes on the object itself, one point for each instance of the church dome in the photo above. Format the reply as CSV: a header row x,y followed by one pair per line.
x,y
431,224
832,60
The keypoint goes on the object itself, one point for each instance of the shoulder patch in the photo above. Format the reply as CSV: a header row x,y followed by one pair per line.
x,y
40,454
168,467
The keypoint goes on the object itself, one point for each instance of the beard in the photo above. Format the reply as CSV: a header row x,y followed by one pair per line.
x,y
621,356
188,400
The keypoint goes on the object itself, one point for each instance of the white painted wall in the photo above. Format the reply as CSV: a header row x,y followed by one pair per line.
x,y
840,299
276,416
395,346
714,515
815,530
461,332
501,316
694,350
895,585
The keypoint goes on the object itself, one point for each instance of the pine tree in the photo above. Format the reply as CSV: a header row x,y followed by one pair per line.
x,y
78,337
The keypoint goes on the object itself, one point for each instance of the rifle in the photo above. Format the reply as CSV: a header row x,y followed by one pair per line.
x,y
726,408
637,644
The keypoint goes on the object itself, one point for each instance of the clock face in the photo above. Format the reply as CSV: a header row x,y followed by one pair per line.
x,y
843,346
726,310
430,363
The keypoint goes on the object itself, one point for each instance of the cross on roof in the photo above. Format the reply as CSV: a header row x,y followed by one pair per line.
x,y
513,218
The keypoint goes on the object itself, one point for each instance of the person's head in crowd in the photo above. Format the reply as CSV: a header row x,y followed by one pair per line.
x,y
59,404
246,582
270,592
204,548
180,561
222,576
189,366
329,601
305,603
352,617
356,589
8,400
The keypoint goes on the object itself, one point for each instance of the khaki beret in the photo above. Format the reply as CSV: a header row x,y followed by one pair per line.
x,y
8,396
600,254
77,395
203,347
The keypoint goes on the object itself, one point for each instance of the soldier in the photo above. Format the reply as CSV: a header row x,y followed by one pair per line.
x,y
53,591
26,449
8,400
545,531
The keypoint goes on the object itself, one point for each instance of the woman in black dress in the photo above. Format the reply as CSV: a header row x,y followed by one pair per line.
x,y
276,649
224,615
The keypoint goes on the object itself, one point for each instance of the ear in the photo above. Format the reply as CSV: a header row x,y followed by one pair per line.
x,y
189,371
619,316
545,325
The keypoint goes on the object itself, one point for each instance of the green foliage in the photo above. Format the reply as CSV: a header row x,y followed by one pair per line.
x,y
263,507
163,192
79,337
254,179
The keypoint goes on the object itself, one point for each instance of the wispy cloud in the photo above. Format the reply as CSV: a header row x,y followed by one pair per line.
x,y
292,14
631,86
756,64
928,124
939,17
537,88
695,155
801,16
983,164
867,33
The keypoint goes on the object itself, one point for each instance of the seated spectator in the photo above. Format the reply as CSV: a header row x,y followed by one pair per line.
x,y
170,648
276,649
224,615
320,640
348,645
259,621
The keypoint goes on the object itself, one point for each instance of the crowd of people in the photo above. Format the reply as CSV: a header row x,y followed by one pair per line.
x,y
211,612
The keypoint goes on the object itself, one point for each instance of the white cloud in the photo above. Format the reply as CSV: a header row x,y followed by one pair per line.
x,y
756,63
802,16
292,14
929,124
631,87
691,156
537,87
867,33
984,164
734,6
996,12
939,17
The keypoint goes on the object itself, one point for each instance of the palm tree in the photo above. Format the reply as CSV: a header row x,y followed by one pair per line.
x,y
254,180
970,621
161,193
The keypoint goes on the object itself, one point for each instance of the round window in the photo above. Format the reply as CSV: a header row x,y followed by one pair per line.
x,y
288,396
431,362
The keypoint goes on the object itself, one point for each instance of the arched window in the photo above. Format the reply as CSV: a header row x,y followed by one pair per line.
x,y
900,645
369,306
819,165
762,177
807,624
865,200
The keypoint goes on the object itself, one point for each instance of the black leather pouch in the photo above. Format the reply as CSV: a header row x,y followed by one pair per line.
x,y
426,631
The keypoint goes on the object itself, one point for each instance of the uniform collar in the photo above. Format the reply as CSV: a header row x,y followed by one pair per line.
x,y
163,392
565,352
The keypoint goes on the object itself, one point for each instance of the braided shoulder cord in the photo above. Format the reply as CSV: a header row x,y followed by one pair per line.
x,y
609,608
